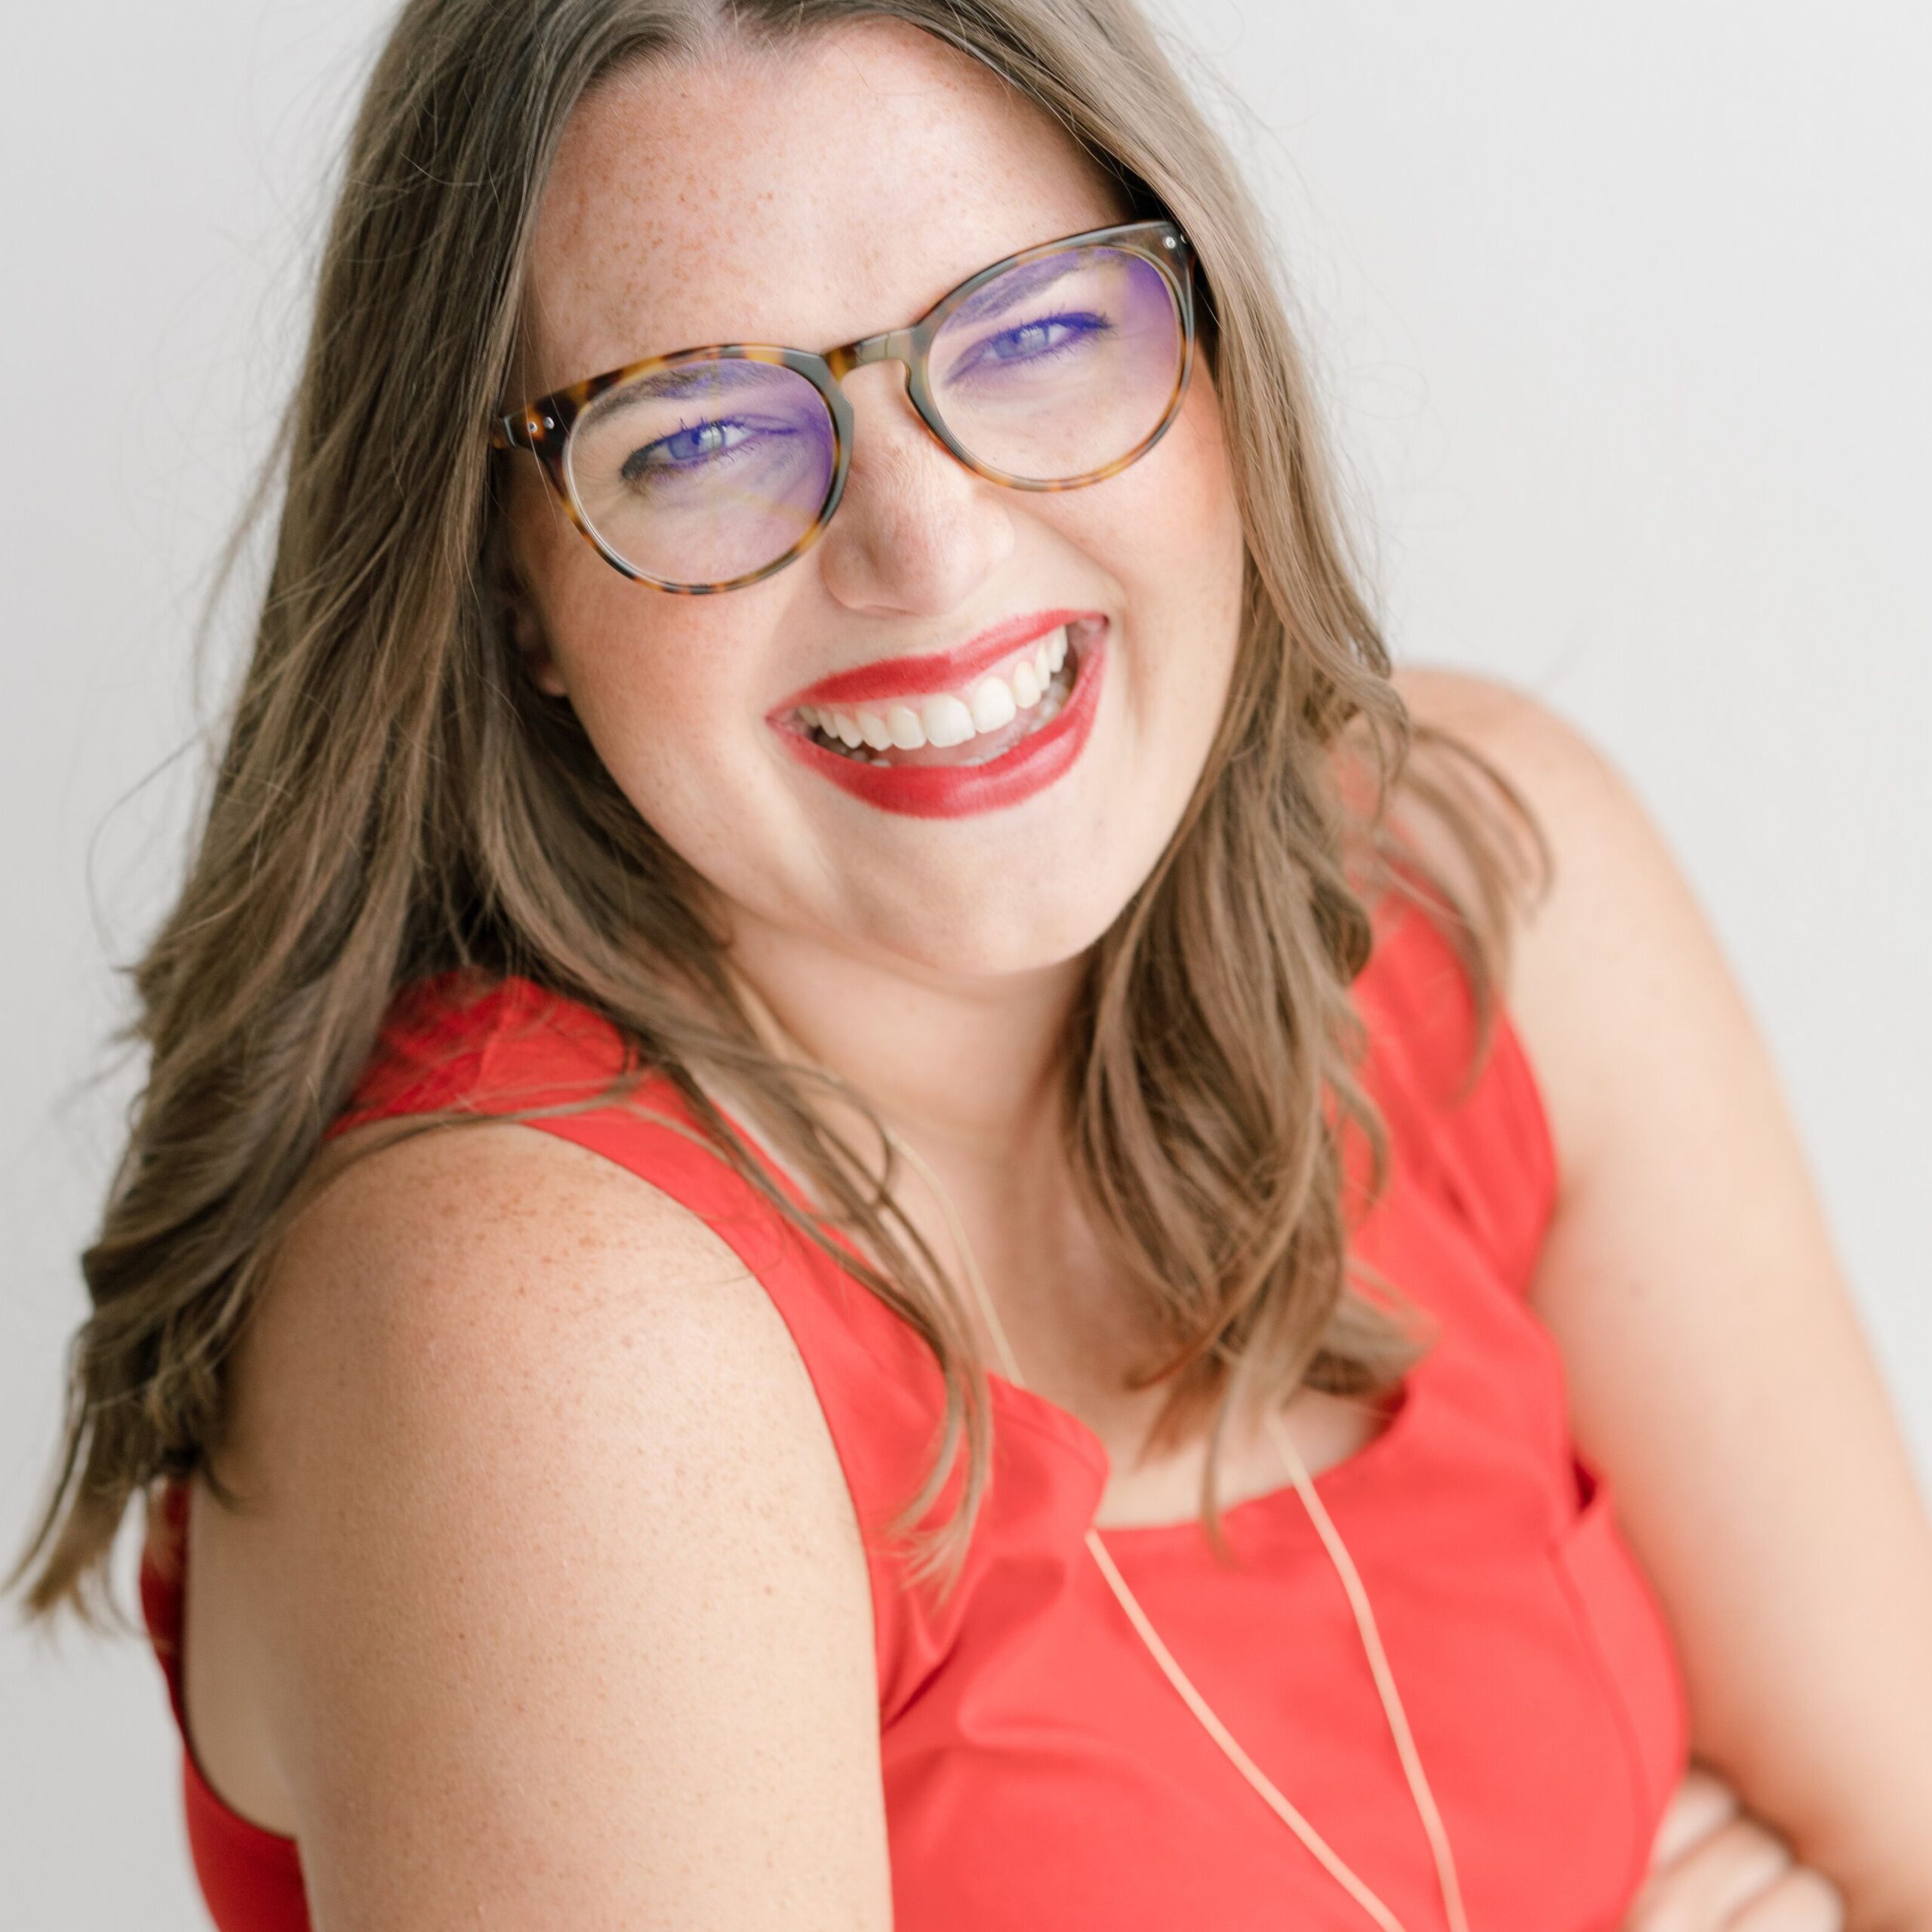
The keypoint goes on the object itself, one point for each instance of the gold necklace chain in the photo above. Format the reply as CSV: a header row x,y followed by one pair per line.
x,y
1384,1681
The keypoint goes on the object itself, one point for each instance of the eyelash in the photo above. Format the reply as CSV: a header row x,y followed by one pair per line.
x,y
1097,325
634,471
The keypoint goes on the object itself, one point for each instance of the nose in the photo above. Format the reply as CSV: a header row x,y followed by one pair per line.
x,y
916,532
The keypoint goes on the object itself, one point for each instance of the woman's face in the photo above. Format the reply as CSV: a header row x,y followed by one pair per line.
x,y
809,197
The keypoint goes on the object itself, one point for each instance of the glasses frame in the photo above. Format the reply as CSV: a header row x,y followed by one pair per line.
x,y
544,426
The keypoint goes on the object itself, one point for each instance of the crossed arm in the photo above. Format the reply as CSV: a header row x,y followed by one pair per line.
x,y
1715,1363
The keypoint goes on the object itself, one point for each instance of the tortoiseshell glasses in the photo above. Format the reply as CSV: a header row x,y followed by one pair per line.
x,y
709,468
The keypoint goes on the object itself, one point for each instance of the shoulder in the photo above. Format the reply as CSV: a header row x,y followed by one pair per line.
x,y
501,1251
1598,825
1614,971
1568,782
538,1481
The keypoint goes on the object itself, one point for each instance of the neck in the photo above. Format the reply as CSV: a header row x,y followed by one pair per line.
x,y
967,1069
966,1074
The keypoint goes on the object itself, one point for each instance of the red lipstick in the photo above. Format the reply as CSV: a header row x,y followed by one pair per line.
x,y
956,791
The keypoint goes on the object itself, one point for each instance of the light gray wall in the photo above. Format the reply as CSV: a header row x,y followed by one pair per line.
x,y
1622,315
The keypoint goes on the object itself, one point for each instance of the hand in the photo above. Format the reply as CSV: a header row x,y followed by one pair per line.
x,y
1714,1868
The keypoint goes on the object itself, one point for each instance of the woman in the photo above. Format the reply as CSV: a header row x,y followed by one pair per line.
x,y
937,856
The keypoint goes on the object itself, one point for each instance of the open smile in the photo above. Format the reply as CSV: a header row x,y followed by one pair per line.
x,y
993,740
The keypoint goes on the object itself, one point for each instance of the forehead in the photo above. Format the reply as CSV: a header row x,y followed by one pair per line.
x,y
807,195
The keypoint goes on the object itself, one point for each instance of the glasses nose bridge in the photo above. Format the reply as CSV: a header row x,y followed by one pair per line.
x,y
892,346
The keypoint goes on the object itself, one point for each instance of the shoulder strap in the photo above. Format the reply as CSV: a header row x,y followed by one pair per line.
x,y
1478,1133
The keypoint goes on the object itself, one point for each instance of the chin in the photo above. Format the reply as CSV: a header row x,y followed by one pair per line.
x,y
1010,939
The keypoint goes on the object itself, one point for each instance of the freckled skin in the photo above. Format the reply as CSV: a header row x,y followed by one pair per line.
x,y
807,197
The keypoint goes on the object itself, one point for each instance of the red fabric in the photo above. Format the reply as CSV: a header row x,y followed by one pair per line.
x,y
1039,1770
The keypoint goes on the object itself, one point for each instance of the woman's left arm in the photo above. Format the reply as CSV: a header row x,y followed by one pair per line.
x,y
1717,1368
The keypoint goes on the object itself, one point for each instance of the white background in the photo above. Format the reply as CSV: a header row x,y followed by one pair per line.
x,y
1622,315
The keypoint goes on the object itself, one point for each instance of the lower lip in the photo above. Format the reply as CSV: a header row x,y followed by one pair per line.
x,y
953,790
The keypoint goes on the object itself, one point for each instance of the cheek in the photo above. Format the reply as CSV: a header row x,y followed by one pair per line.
x,y
1197,493
1175,539
1169,526
647,674
1179,550
1206,546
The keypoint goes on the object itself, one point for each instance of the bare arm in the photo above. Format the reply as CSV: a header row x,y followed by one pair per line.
x,y
1716,1363
563,1613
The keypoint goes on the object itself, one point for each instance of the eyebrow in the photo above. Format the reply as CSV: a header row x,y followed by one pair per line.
x,y
732,375
1004,290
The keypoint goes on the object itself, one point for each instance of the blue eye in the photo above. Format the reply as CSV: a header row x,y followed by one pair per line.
x,y
693,448
1029,345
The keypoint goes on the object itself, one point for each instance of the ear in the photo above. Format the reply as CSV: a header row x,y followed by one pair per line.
x,y
526,627
533,647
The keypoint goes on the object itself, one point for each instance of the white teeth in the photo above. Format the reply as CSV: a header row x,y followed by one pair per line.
x,y
945,717
993,704
946,720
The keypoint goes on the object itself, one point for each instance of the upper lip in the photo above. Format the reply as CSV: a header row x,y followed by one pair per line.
x,y
921,673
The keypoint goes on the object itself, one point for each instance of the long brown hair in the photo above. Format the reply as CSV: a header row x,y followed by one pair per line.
x,y
396,798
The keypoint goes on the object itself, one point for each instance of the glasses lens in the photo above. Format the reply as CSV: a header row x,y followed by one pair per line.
x,y
1062,366
704,471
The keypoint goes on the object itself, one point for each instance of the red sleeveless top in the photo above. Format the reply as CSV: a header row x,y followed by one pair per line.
x,y
1039,1770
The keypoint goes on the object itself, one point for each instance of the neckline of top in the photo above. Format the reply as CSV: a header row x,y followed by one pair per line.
x,y
1374,1454
1029,1404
